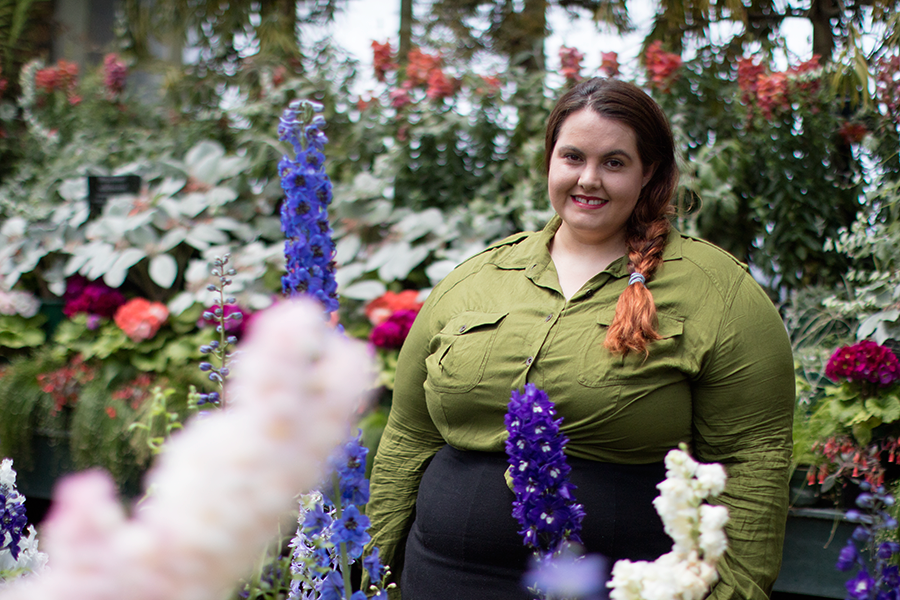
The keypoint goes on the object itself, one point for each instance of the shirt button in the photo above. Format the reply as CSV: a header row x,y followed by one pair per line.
x,y
529,360
550,316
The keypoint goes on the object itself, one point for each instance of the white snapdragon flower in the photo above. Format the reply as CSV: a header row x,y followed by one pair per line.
x,y
697,530
711,479
712,535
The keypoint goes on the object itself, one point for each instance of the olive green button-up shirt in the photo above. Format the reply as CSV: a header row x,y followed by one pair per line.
x,y
721,379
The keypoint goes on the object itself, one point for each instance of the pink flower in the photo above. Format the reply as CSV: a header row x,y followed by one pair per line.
x,y
400,98
864,362
114,73
609,63
140,319
392,332
570,59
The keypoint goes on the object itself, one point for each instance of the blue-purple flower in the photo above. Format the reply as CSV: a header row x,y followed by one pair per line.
x,y
569,575
873,518
309,249
545,504
334,531
12,520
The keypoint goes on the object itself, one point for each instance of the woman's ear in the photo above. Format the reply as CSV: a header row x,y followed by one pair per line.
x,y
649,170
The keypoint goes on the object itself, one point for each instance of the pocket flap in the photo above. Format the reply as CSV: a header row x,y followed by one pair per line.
x,y
465,322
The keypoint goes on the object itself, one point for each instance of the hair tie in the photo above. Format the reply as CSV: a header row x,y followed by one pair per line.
x,y
637,278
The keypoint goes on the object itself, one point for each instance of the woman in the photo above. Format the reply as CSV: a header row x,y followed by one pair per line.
x,y
643,337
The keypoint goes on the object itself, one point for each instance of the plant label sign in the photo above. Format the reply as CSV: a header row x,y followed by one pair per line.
x,y
103,187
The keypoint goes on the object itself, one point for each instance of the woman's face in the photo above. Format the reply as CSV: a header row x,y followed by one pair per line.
x,y
595,178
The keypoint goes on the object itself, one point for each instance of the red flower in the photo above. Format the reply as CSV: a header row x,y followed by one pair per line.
x,y
772,93
748,77
609,63
63,77
439,85
46,80
381,59
140,318
381,308
853,133
64,384
419,66
662,66
570,60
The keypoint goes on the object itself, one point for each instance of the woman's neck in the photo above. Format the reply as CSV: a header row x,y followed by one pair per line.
x,y
577,261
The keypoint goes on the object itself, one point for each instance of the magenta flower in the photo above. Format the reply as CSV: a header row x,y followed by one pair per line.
x,y
864,362
392,332
91,297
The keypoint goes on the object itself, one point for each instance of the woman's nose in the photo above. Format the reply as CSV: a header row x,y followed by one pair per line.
x,y
590,179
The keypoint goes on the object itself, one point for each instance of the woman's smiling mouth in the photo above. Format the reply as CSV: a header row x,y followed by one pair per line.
x,y
589,201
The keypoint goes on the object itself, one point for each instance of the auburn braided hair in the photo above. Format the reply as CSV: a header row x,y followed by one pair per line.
x,y
635,322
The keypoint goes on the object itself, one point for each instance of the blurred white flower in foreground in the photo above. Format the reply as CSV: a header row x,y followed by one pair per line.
x,y
688,571
223,484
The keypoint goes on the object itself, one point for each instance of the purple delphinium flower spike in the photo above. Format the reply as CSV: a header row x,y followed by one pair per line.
x,y
309,249
545,504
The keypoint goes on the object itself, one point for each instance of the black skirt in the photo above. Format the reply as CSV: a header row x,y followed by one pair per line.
x,y
464,543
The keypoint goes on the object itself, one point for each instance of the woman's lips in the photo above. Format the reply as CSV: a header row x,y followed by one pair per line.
x,y
589,201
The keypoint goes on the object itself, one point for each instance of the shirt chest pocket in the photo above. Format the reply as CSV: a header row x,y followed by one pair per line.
x,y
599,367
461,350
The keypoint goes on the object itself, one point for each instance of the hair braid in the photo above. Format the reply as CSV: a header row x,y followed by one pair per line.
x,y
634,325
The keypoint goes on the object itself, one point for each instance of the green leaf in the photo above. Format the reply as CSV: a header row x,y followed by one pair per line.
x,y
17,331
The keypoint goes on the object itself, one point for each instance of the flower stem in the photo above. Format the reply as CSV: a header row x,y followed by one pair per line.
x,y
345,561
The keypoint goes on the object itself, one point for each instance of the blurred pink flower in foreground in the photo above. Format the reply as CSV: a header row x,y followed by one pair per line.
x,y
223,484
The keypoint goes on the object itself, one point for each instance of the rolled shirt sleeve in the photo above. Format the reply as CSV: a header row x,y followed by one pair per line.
x,y
743,411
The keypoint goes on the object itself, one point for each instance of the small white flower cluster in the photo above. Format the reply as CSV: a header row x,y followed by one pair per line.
x,y
29,560
697,529
18,303
222,485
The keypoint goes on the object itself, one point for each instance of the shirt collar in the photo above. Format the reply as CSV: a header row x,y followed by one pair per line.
x,y
533,253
